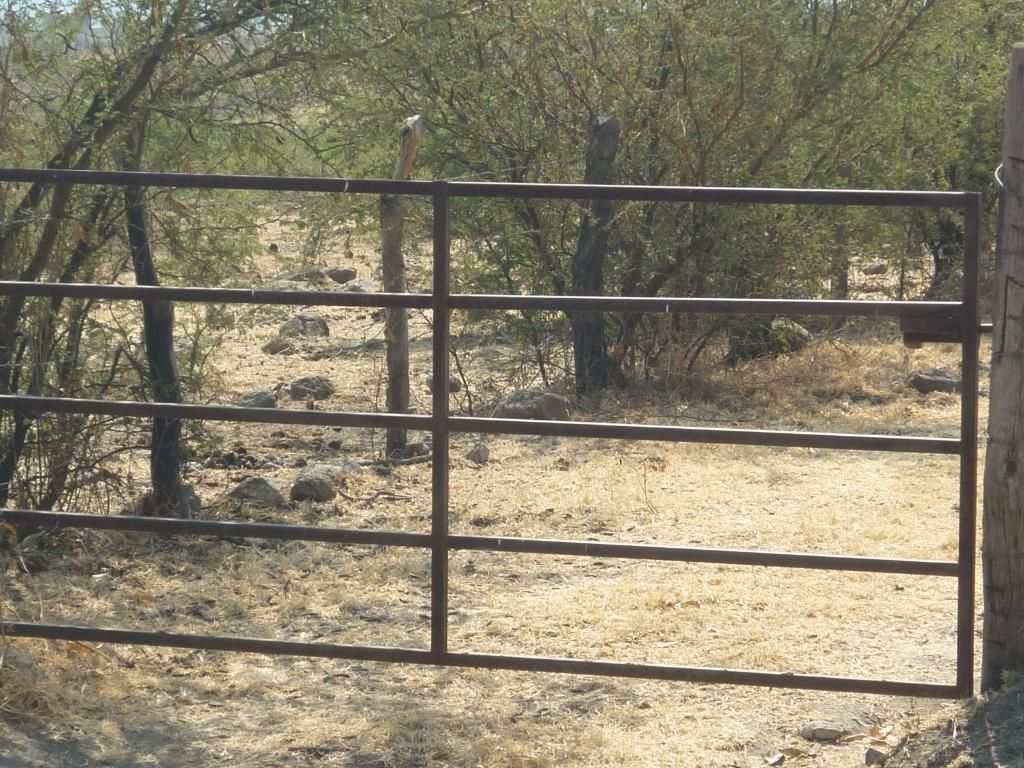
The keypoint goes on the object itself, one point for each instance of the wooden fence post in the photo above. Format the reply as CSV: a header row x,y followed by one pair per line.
x,y
1003,518
396,319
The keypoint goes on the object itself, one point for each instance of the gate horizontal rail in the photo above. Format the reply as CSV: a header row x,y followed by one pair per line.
x,y
946,315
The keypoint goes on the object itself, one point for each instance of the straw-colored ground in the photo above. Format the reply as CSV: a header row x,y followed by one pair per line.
x,y
73,704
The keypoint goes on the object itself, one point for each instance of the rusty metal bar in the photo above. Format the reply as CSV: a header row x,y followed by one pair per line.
x,y
218,295
481,660
938,310
500,544
588,429
714,435
968,451
703,555
706,305
751,195
213,412
440,406
173,526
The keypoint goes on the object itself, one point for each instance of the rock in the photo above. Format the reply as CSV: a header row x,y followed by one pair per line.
x,y
258,490
875,268
320,482
279,284
343,469
534,404
454,384
418,448
479,453
874,757
824,730
934,380
279,346
258,398
316,483
312,273
305,324
788,336
311,388
195,505
360,285
341,274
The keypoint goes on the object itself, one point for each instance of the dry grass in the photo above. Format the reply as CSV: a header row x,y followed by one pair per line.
x,y
149,706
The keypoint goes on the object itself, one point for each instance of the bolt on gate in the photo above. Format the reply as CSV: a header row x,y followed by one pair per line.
x,y
950,321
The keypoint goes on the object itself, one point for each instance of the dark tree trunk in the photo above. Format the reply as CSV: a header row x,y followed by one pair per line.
x,y
593,364
168,497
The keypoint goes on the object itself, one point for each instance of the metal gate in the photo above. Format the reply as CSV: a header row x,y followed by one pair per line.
x,y
951,321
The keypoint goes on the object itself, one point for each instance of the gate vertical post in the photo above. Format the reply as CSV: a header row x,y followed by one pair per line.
x,y
970,333
439,413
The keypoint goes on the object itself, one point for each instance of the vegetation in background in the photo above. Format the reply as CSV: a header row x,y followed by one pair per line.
x,y
764,93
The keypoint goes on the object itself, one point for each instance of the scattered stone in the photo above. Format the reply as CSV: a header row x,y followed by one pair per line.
x,y
344,468
306,324
775,758
312,273
316,483
311,388
876,268
479,453
279,346
360,285
280,284
418,448
874,757
341,274
534,404
934,380
824,730
454,384
258,398
258,490
788,336
195,505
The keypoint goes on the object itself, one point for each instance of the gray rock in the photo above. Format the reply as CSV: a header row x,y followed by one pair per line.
x,y
479,453
534,404
305,324
418,448
875,268
824,730
258,490
316,483
454,384
279,346
343,469
258,398
195,505
788,336
279,284
311,387
874,757
360,285
312,273
934,380
341,274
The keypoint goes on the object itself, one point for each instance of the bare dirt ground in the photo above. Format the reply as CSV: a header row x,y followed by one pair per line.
x,y
74,704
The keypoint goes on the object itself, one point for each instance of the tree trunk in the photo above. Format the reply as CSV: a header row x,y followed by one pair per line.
x,y
593,364
1003,546
168,497
396,319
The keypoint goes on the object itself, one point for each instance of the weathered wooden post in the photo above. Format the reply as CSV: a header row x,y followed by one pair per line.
x,y
1003,547
396,319
593,365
